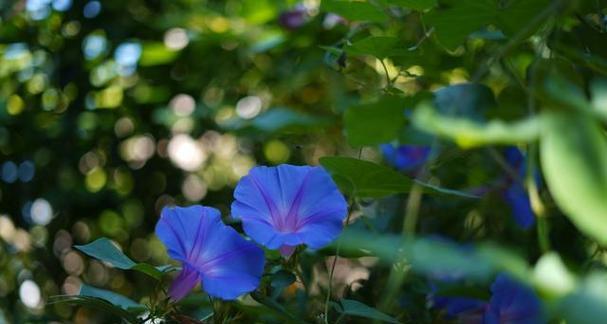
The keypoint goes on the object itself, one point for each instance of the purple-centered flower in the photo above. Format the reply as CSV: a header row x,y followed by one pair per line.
x,y
405,157
512,303
210,252
285,206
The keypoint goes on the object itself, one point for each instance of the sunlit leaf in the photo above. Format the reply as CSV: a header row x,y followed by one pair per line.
x,y
574,161
469,133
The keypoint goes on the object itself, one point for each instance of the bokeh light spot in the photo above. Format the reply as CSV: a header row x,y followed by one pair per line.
x,y
276,152
182,105
176,38
30,294
9,172
248,107
41,212
186,152
92,9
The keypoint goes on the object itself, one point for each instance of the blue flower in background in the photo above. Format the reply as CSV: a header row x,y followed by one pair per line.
x,y
285,206
212,253
512,303
516,194
405,157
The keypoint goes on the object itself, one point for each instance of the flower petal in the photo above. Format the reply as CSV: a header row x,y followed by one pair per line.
x,y
512,302
233,265
517,198
185,281
182,229
197,237
405,157
289,205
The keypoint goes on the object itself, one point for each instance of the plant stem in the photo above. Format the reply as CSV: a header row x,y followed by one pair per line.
x,y
332,270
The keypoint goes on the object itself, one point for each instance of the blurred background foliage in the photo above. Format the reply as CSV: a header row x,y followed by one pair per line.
x,y
110,110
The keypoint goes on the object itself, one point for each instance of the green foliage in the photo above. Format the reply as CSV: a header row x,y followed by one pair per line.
x,y
113,298
461,18
220,86
361,178
414,4
356,308
104,250
375,123
574,142
354,10
468,133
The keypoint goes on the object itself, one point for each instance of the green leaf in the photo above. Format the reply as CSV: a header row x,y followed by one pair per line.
x,y
277,119
276,307
281,280
453,25
104,250
467,99
354,10
378,46
517,15
434,257
111,297
95,303
363,178
431,256
463,17
375,123
356,308
588,303
414,4
573,153
468,133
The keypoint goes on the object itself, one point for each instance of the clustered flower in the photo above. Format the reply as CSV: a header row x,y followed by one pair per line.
x,y
280,208
287,206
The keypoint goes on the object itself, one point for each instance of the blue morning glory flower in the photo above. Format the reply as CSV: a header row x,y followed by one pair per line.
x,y
285,206
405,157
512,303
210,252
516,194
